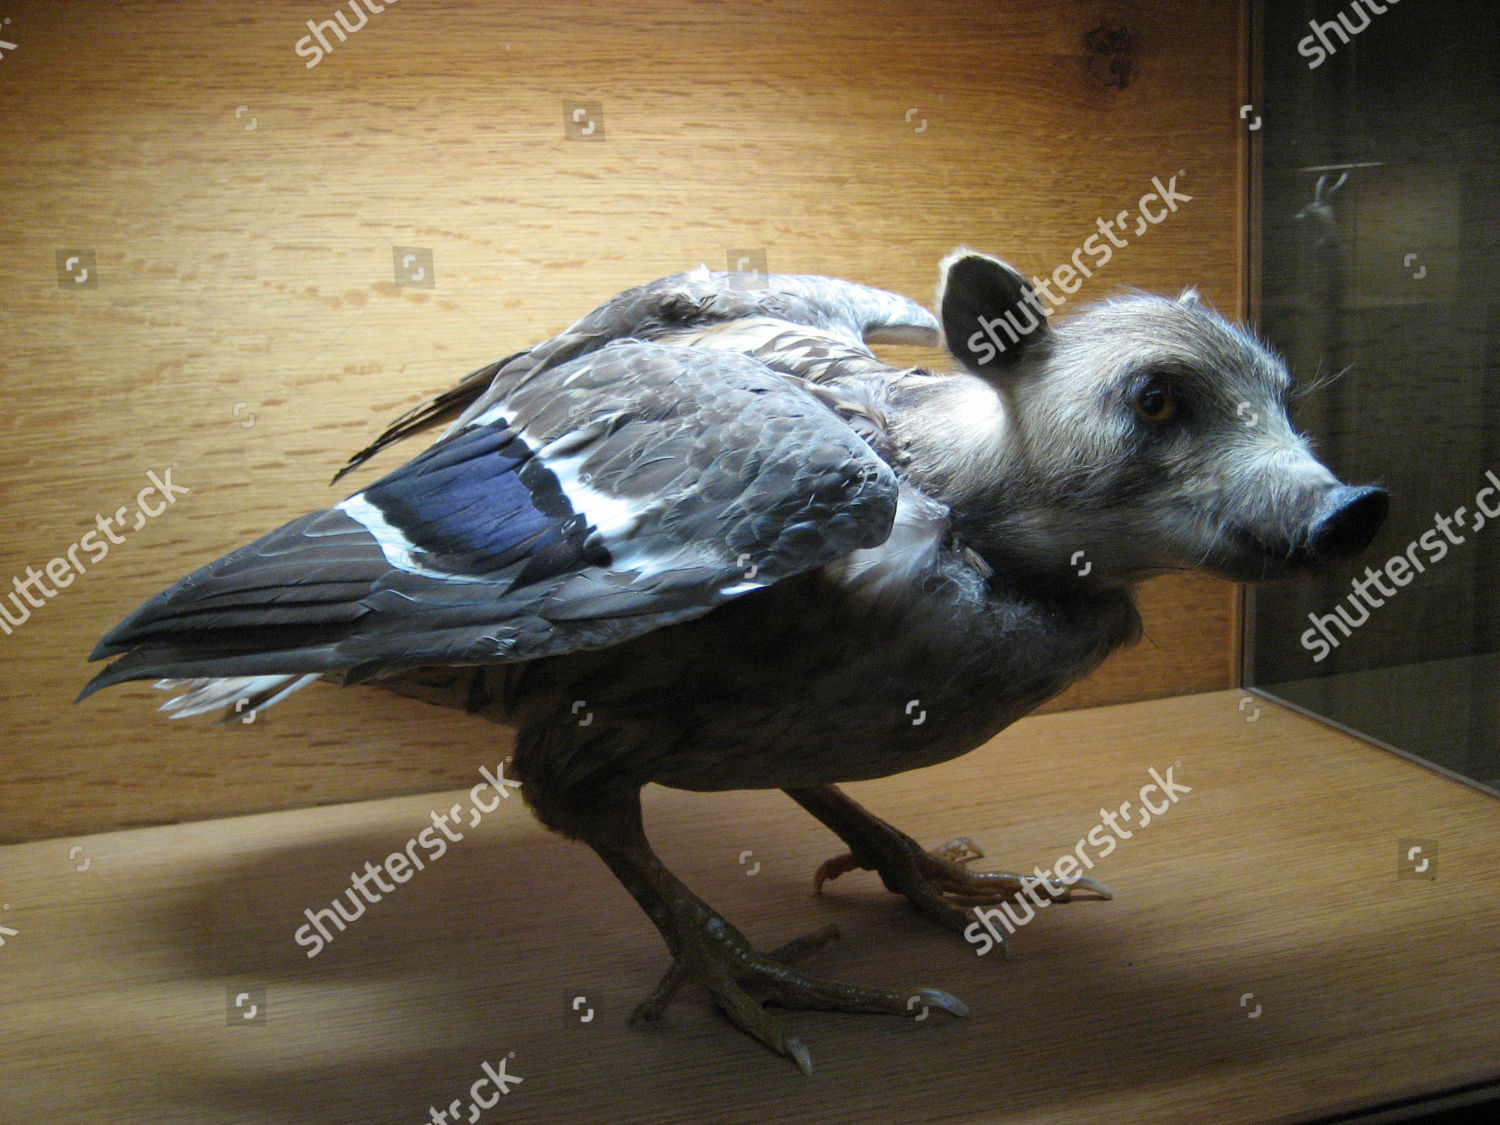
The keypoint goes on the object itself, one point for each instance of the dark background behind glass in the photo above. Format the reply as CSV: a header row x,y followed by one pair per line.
x,y
1393,277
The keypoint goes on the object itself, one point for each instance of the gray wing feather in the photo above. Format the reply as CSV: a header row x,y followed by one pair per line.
x,y
685,478
668,307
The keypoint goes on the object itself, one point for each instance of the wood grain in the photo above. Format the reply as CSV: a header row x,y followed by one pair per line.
x,y
1274,877
247,331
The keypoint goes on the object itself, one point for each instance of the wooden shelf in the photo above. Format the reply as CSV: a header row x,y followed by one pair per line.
x,y
1275,879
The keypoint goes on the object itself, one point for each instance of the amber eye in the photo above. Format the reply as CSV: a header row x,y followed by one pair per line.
x,y
1155,402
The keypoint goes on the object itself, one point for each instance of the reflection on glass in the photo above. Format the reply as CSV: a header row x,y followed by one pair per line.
x,y
1377,275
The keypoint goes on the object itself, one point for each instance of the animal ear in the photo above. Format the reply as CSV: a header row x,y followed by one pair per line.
x,y
991,316
1189,298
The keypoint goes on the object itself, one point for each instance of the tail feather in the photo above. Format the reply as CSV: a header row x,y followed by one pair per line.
x,y
235,695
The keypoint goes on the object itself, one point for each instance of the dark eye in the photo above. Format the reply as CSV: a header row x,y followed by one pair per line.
x,y
1155,401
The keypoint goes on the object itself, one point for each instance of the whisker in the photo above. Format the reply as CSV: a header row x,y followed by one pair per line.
x,y
1319,382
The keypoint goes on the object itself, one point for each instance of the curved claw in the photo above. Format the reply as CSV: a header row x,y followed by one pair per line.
x,y
960,849
832,868
943,1001
800,1054
1083,882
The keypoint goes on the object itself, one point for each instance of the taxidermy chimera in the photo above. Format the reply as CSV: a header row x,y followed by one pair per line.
x,y
708,509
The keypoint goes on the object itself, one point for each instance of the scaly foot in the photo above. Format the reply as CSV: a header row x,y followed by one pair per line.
x,y
742,981
707,949
939,884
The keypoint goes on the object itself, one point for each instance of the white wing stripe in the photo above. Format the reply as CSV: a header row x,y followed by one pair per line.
x,y
396,548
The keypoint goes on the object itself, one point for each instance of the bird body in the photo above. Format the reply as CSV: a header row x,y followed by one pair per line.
x,y
706,538
885,680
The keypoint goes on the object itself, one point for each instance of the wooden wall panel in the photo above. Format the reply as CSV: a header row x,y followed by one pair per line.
x,y
245,330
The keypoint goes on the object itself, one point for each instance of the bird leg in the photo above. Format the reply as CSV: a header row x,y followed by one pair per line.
x,y
707,949
937,883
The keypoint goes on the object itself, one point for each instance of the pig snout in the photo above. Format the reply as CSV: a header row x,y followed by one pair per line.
x,y
1297,532
1344,522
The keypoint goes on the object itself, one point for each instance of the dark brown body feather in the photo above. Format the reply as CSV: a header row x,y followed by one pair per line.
x,y
704,705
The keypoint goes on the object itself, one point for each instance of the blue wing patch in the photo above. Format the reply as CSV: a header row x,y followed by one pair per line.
x,y
482,503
